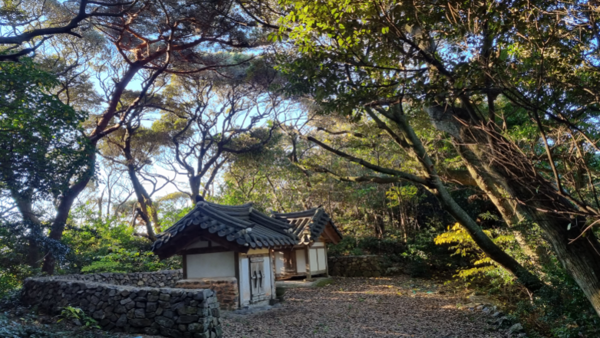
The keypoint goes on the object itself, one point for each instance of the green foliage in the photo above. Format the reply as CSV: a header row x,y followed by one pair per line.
x,y
14,245
8,282
463,245
124,261
110,246
560,311
71,313
403,193
41,144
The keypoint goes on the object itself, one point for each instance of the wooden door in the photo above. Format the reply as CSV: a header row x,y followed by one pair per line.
x,y
257,279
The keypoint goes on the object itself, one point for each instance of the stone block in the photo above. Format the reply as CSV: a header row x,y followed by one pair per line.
x,y
121,321
140,322
187,319
164,321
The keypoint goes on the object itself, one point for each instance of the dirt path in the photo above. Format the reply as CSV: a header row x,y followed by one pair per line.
x,y
374,307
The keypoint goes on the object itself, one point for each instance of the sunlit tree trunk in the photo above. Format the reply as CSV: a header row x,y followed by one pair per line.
x,y
517,189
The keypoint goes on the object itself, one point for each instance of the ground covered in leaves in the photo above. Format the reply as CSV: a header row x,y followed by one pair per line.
x,y
348,307
369,307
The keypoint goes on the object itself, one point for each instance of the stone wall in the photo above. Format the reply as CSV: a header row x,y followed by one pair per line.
x,y
226,289
170,312
355,266
165,278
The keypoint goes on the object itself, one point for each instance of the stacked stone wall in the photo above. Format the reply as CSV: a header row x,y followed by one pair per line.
x,y
165,278
226,289
356,266
171,312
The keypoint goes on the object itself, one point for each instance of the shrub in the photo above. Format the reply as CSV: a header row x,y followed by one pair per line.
x,y
122,260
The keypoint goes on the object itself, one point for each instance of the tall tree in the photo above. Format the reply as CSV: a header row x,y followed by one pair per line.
x,y
153,37
210,119
41,144
458,61
34,22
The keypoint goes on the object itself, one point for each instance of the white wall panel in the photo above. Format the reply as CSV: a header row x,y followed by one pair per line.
x,y
218,264
279,265
321,258
312,259
301,261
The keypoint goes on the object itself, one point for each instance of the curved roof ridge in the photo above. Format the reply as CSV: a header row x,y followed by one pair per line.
x,y
228,206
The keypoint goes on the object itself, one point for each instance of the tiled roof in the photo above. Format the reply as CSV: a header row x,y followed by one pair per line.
x,y
240,224
308,224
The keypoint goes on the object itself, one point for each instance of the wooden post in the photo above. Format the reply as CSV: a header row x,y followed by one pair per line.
x,y
236,257
272,256
308,275
184,265
326,260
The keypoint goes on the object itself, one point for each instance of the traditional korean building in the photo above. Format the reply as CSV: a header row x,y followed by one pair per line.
x,y
229,249
308,258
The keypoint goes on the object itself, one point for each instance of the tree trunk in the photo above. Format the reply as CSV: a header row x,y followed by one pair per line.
x,y
24,204
146,209
194,187
518,188
436,186
62,212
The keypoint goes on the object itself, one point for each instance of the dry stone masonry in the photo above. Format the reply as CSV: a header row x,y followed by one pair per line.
x,y
167,311
165,278
355,266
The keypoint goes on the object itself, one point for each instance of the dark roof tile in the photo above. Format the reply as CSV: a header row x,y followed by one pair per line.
x,y
241,224
312,221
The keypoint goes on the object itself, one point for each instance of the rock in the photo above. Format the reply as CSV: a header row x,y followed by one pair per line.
x,y
503,322
173,312
151,330
186,319
151,306
517,328
140,322
121,321
98,315
164,321
195,327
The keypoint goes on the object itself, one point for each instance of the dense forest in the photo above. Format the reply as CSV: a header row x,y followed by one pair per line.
x,y
459,139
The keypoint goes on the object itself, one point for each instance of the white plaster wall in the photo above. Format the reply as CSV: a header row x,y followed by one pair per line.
x,y
312,260
279,264
301,261
218,264
318,245
322,259
244,281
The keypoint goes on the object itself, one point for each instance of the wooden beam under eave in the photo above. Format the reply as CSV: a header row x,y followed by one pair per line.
x,y
195,251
